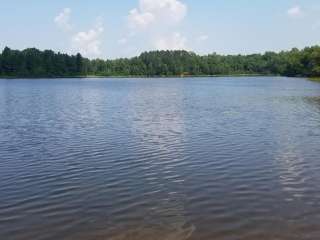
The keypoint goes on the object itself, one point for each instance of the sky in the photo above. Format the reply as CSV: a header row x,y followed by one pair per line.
x,y
111,29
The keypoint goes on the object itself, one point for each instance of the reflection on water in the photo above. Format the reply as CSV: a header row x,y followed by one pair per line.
x,y
160,159
160,131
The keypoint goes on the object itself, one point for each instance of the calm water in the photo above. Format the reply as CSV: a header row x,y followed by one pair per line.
x,y
160,159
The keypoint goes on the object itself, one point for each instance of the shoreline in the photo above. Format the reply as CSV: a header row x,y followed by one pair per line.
x,y
154,77
315,79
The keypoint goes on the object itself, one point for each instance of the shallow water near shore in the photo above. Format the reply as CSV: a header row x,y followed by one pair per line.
x,y
164,159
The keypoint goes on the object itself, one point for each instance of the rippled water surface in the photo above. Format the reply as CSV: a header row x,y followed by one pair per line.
x,y
160,159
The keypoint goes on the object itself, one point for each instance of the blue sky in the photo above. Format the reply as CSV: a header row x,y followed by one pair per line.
x,y
111,29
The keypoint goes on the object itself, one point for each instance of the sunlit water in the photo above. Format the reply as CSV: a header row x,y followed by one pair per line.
x,y
160,159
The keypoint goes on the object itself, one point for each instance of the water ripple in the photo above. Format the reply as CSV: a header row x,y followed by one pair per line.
x,y
129,159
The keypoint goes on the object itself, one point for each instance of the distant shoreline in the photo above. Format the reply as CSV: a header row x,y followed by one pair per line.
x,y
315,79
152,77
34,63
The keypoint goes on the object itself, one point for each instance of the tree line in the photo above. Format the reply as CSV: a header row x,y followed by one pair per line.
x,y
35,63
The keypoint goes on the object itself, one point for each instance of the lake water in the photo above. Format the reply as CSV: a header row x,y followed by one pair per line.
x,y
160,159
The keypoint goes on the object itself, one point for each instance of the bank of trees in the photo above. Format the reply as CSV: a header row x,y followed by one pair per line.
x,y
34,63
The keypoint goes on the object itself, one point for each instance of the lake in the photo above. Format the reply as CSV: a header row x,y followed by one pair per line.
x,y
230,158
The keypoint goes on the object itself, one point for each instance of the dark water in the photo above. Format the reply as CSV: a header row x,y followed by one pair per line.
x,y
160,159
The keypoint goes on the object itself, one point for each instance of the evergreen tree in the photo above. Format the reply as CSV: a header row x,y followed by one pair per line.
x,y
34,63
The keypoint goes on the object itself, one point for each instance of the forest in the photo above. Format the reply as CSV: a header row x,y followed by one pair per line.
x,y
33,63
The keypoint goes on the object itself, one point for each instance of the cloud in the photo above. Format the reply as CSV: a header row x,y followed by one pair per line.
x,y
175,41
88,43
150,12
62,20
203,38
139,20
156,22
295,11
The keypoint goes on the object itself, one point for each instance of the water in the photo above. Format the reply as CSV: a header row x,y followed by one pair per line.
x,y
160,159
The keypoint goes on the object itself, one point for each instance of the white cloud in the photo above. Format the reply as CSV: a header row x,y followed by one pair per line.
x,y
156,11
172,42
295,11
88,43
63,19
139,20
203,38
156,23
